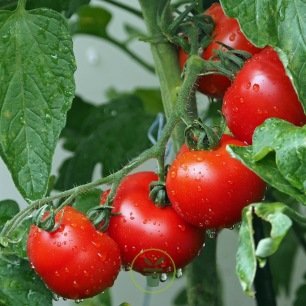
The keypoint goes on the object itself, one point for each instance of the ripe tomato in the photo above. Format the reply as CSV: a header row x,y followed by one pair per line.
x,y
210,188
75,261
150,237
260,90
226,31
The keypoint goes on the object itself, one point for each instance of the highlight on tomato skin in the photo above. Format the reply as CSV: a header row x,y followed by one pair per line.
x,y
209,188
75,260
228,32
145,231
260,90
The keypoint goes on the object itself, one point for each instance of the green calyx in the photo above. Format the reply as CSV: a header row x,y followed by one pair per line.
x,y
100,216
158,194
199,136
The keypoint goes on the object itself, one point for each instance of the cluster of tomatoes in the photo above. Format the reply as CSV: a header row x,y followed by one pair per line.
x,y
207,189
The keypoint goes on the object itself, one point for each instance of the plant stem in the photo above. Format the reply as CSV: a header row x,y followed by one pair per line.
x,y
265,294
21,5
165,59
124,7
203,286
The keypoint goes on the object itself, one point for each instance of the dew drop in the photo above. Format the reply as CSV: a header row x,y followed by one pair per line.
x,y
78,301
75,284
179,273
85,272
55,297
211,233
248,86
232,37
256,87
182,227
173,174
232,227
56,273
127,267
235,109
241,100
163,277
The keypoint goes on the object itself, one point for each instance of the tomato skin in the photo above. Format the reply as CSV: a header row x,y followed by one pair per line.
x,y
142,226
75,261
210,188
227,31
260,90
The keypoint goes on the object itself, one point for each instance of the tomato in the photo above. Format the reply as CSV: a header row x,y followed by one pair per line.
x,y
75,260
150,236
260,90
226,31
210,188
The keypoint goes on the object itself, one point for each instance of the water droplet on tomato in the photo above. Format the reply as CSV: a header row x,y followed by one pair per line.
x,y
199,159
179,273
75,284
231,227
256,87
211,233
85,272
55,297
172,192
248,85
241,100
173,174
127,267
199,188
275,108
235,109
56,273
78,301
163,277
232,37
178,249
182,227
259,111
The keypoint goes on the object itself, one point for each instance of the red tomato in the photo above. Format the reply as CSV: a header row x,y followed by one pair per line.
x,y
260,90
150,237
75,261
226,31
210,188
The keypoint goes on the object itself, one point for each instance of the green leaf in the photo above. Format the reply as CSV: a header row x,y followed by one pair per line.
x,y
36,90
91,20
181,298
248,253
102,299
87,200
111,134
8,209
279,23
285,258
69,6
151,98
300,299
278,156
20,285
